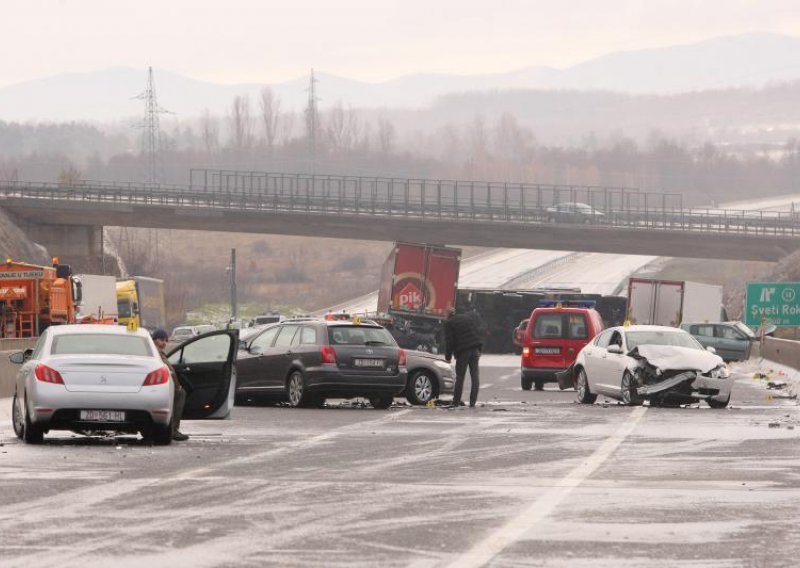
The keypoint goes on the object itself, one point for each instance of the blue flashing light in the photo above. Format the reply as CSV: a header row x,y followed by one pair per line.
x,y
566,303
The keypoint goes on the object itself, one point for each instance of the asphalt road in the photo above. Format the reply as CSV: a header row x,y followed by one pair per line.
x,y
526,479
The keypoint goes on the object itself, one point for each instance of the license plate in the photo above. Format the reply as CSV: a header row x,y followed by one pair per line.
x,y
547,350
103,415
368,362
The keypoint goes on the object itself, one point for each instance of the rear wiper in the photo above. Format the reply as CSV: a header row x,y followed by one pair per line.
x,y
375,343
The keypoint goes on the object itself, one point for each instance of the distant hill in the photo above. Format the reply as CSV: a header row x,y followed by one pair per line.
x,y
751,60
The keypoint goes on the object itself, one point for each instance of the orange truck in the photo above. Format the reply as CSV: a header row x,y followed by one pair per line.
x,y
33,298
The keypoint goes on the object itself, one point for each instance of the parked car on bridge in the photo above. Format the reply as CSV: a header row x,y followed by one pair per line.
x,y
307,361
731,340
574,212
662,364
87,378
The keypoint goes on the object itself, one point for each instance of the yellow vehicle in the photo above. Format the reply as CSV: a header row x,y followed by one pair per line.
x,y
140,303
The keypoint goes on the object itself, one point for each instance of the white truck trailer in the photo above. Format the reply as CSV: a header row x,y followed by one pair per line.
x,y
670,302
98,298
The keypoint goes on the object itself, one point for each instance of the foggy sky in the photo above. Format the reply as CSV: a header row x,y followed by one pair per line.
x,y
265,41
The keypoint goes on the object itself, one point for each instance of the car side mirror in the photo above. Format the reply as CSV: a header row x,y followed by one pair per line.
x,y
615,349
711,349
18,357
242,345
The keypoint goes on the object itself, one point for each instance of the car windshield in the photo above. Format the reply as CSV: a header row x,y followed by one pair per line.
x,y
673,338
100,344
359,335
182,332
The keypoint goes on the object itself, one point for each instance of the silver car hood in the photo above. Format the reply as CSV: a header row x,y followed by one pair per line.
x,y
673,358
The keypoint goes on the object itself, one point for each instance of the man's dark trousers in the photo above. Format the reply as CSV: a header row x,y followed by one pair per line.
x,y
468,358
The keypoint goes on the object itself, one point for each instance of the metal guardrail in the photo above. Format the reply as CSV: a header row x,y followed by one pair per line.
x,y
310,194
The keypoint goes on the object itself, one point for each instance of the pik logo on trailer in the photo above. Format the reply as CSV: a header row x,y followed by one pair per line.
x,y
410,297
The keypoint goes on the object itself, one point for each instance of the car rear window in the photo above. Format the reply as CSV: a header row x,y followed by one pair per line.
x,y
359,335
560,326
100,344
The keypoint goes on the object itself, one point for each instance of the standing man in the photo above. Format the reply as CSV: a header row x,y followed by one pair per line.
x,y
160,339
462,339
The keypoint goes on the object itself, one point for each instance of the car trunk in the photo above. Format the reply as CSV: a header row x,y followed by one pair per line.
x,y
367,360
103,374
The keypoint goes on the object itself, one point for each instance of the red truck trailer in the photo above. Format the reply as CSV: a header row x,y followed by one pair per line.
x,y
418,287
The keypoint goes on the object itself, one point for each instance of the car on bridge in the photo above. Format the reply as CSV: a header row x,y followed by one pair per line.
x,y
304,362
664,365
574,212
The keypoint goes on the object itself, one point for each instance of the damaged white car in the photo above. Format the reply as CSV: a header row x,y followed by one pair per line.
x,y
664,365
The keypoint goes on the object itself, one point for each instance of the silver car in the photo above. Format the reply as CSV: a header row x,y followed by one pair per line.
x,y
661,364
105,378
429,376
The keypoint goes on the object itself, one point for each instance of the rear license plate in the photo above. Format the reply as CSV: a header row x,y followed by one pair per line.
x,y
103,415
368,362
547,350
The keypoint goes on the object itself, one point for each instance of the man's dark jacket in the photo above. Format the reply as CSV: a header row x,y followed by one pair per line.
x,y
460,334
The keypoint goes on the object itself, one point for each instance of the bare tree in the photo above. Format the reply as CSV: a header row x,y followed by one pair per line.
x,y
241,123
287,128
342,128
209,132
386,135
270,116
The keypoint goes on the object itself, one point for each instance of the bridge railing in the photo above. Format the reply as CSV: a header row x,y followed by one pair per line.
x,y
458,201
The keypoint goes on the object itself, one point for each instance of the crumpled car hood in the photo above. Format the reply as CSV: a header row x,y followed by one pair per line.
x,y
673,358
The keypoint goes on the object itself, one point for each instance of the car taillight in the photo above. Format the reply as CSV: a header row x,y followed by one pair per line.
x,y
158,377
401,358
526,351
328,355
48,375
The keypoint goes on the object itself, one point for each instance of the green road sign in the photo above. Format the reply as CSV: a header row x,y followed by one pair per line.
x,y
775,303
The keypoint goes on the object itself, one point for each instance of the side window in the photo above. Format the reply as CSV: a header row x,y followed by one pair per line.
x,y
603,339
548,326
212,349
308,336
39,347
263,341
726,332
703,330
285,336
576,324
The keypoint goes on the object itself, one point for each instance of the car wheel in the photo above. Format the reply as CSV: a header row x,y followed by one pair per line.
x,y
718,403
539,384
31,433
526,383
296,390
585,396
381,402
421,388
18,417
628,388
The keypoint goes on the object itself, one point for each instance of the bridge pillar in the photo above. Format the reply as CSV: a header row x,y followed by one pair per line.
x,y
80,246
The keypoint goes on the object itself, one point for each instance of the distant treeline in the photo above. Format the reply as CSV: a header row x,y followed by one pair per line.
x,y
512,146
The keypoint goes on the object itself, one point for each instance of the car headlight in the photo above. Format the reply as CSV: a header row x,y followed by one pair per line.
x,y
721,372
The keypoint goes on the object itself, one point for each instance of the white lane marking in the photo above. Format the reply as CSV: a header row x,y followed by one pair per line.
x,y
516,527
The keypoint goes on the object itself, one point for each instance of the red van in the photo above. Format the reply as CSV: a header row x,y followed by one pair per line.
x,y
553,338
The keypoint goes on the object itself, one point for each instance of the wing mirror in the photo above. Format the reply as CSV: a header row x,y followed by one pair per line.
x,y
20,357
615,349
711,349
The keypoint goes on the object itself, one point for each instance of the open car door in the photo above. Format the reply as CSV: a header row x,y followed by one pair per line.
x,y
205,368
